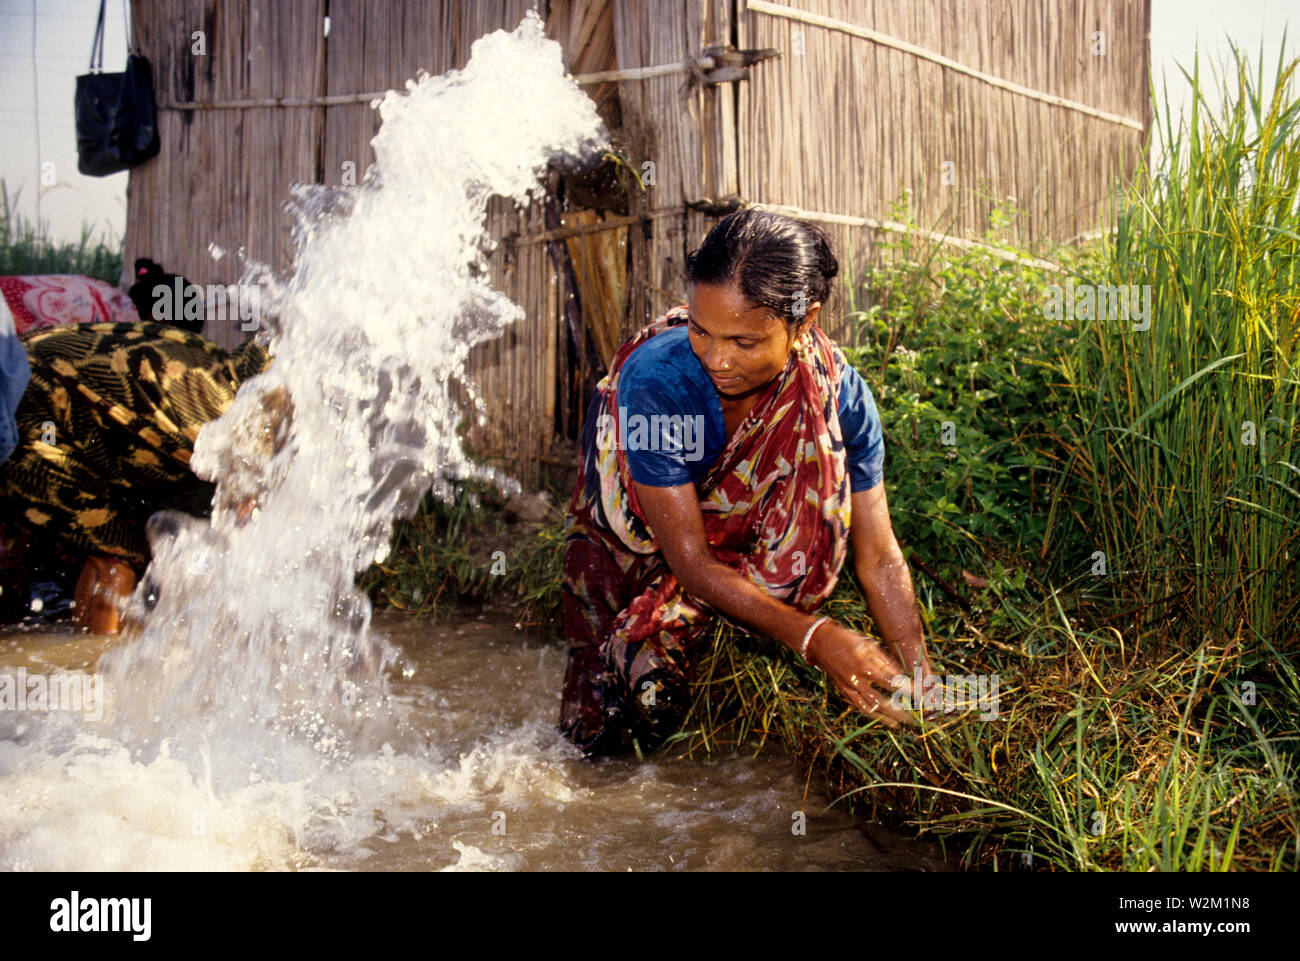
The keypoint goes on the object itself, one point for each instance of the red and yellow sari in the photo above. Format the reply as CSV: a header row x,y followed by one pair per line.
x,y
776,509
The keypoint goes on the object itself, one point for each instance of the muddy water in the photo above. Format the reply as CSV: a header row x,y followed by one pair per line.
x,y
497,788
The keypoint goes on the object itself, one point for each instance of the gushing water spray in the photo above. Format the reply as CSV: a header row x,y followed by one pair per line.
x,y
255,617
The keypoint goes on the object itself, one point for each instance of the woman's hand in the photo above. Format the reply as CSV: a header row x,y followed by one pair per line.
x,y
861,670
912,654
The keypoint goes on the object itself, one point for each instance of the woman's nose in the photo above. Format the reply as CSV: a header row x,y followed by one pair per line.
x,y
718,358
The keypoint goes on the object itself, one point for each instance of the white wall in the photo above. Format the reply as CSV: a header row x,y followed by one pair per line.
x,y
63,33
1180,27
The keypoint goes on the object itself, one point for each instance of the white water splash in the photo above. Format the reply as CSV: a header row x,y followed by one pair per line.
x,y
250,723
255,618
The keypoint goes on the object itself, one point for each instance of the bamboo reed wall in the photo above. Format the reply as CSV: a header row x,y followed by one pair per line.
x,y
845,119
224,174
848,125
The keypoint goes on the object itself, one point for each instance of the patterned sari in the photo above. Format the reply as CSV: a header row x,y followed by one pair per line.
x,y
106,428
776,509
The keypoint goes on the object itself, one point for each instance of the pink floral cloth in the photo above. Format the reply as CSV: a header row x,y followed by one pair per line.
x,y
50,300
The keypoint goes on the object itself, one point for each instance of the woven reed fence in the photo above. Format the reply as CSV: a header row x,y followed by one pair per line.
x,y
852,122
960,102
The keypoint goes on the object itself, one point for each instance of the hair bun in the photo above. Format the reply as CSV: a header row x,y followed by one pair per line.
x,y
775,260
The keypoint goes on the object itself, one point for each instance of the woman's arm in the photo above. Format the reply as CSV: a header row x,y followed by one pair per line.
x,y
853,663
883,573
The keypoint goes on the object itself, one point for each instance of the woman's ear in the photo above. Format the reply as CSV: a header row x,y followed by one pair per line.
x,y
809,319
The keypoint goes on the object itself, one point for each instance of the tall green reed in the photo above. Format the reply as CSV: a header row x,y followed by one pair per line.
x,y
1190,437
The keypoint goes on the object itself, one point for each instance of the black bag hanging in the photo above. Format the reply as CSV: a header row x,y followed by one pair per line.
x,y
116,128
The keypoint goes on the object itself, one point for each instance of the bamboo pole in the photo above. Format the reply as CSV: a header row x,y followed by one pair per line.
x,y
602,76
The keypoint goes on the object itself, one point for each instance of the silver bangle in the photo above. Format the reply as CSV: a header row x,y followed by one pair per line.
x,y
803,647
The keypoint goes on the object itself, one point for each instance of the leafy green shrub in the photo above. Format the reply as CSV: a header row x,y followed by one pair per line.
x,y
962,364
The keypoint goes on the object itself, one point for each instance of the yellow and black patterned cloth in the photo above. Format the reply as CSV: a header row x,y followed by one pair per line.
x,y
106,428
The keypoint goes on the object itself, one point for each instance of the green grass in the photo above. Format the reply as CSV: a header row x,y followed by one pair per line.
x,y
1103,756
468,552
959,358
26,248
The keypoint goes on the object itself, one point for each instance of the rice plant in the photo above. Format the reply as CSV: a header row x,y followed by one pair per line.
x,y
1189,436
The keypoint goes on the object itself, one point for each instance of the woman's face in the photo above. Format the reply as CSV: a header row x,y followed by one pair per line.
x,y
740,346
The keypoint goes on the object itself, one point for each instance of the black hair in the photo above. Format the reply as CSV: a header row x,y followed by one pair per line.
x,y
780,263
